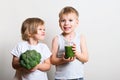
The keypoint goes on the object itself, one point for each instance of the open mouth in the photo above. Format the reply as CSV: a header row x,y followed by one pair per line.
x,y
67,28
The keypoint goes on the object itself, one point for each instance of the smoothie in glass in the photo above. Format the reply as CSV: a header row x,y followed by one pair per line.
x,y
68,52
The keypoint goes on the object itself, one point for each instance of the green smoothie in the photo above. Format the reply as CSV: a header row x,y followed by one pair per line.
x,y
68,52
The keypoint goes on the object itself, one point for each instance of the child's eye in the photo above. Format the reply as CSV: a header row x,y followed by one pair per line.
x,y
40,29
70,20
62,20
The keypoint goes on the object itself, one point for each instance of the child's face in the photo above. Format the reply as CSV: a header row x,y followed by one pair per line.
x,y
40,33
68,22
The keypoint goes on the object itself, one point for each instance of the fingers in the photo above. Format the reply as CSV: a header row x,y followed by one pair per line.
x,y
72,58
74,48
69,59
34,68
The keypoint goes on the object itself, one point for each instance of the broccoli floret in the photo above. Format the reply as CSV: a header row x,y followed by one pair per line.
x,y
30,59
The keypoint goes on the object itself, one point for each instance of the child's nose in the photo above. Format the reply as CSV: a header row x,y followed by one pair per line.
x,y
66,22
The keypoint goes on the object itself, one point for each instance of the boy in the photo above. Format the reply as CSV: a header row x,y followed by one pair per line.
x,y
70,68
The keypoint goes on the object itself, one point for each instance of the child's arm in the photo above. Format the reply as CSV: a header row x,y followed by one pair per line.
x,y
54,59
83,56
45,66
16,65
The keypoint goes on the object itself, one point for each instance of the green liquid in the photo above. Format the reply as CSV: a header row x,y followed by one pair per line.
x,y
68,52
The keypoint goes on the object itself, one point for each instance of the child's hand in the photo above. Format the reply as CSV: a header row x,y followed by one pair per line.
x,y
24,70
75,50
70,59
29,70
34,68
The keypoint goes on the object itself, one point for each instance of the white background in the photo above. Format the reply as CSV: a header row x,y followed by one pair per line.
x,y
99,21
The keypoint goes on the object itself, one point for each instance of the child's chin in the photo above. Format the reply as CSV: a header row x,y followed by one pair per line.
x,y
42,38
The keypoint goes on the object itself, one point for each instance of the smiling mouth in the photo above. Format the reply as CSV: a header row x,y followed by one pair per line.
x,y
67,28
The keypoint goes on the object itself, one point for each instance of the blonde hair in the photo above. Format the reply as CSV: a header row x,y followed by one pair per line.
x,y
29,27
68,10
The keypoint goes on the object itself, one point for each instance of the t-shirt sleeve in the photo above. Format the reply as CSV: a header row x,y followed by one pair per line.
x,y
47,52
16,50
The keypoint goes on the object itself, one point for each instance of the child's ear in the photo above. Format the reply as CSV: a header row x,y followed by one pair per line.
x,y
29,35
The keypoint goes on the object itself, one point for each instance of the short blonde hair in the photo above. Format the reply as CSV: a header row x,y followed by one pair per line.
x,y
68,10
29,27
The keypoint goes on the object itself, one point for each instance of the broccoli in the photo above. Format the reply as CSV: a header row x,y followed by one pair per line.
x,y
30,59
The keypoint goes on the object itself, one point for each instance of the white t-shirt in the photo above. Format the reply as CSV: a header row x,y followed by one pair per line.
x,y
42,48
71,70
